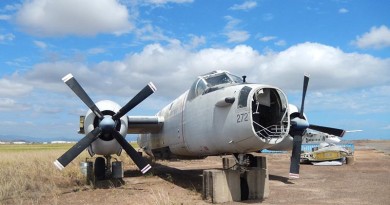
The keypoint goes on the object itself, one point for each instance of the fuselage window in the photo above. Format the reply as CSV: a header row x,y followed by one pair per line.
x,y
243,98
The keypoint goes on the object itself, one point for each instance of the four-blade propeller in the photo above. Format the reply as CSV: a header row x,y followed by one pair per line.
x,y
106,125
299,124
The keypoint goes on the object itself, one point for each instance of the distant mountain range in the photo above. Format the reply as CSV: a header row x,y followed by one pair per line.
x,y
14,138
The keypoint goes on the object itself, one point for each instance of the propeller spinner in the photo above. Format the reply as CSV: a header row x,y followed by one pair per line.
x,y
299,124
106,125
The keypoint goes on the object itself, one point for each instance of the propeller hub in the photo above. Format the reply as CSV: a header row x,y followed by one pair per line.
x,y
298,126
107,124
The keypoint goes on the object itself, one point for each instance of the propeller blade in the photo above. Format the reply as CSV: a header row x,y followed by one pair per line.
x,y
74,151
79,91
295,157
142,95
329,130
137,158
305,84
298,128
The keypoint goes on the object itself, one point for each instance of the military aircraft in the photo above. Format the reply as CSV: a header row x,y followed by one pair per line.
x,y
313,137
220,114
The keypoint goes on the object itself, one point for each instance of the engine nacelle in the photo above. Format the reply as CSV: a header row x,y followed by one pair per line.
x,y
106,144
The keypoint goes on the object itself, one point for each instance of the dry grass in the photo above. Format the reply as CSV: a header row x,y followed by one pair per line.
x,y
28,176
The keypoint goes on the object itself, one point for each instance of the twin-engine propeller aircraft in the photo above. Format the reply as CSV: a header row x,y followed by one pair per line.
x,y
220,114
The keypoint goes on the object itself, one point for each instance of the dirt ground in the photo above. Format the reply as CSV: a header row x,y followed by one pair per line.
x,y
180,182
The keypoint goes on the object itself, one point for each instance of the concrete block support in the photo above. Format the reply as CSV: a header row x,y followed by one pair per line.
x,y
261,162
229,162
258,183
221,186
227,185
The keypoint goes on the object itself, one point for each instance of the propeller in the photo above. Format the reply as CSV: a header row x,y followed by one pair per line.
x,y
299,124
298,127
105,127
79,91
329,130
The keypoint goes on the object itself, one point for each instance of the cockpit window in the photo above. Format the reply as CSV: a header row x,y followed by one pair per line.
x,y
197,88
211,82
222,78
200,87
218,79
236,79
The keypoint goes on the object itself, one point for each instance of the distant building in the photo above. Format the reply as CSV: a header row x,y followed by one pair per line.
x,y
19,142
61,142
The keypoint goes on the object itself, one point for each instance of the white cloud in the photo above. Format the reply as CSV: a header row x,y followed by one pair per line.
x,y
6,37
386,127
268,38
173,68
273,38
11,7
232,22
148,32
343,11
234,34
4,17
73,17
197,41
363,101
330,67
247,5
8,104
280,43
237,36
268,17
10,88
377,37
160,2
95,51
40,44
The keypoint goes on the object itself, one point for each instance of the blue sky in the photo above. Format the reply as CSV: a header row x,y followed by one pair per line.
x,y
114,48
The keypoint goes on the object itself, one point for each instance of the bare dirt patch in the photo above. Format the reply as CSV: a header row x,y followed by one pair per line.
x,y
180,182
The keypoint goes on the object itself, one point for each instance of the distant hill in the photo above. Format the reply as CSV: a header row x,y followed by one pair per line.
x,y
14,138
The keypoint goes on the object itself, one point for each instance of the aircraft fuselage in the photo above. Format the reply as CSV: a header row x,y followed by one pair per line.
x,y
224,119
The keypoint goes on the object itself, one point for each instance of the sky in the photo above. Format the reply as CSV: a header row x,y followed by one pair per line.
x,y
115,47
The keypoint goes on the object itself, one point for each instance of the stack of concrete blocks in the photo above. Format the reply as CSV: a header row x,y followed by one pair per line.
x,y
224,185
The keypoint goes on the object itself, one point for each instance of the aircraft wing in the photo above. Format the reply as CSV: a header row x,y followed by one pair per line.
x,y
144,124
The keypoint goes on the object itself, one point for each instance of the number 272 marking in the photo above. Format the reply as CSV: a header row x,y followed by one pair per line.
x,y
242,117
